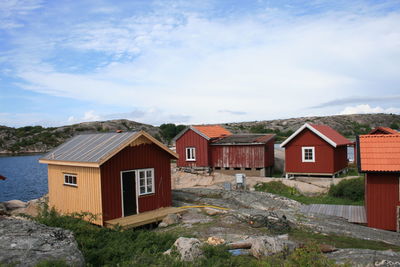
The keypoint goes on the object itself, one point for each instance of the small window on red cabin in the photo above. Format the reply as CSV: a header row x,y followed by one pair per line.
x,y
308,154
190,154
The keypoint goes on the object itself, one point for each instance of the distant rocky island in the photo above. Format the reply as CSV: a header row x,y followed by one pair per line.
x,y
37,139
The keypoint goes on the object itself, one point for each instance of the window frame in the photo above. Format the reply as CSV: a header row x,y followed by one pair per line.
x,y
138,178
303,153
68,183
192,153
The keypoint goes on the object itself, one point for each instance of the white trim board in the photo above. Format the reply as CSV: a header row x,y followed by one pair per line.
x,y
308,126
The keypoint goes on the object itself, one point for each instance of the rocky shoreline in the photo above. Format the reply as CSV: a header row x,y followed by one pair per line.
x,y
24,242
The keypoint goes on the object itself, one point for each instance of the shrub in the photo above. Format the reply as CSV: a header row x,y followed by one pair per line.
x,y
276,187
309,255
352,189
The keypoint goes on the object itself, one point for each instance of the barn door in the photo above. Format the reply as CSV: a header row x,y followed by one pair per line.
x,y
128,193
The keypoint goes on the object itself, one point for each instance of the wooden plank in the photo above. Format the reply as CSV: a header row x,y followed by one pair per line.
x,y
143,218
354,214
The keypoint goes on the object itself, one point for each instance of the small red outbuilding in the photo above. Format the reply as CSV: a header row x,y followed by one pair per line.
x,y
212,147
315,150
379,158
111,175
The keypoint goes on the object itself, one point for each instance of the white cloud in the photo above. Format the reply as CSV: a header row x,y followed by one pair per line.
x,y
366,109
90,116
11,12
267,64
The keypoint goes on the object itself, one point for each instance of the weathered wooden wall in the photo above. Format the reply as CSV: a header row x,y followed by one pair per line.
x,y
85,197
239,156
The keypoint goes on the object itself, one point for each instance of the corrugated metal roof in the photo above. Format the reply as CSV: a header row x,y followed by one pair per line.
x,y
89,147
380,152
244,139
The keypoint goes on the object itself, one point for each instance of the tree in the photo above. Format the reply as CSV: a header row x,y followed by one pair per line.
x,y
169,131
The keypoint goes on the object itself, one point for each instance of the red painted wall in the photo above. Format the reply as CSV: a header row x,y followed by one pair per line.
x,y
270,153
192,139
327,158
238,156
131,158
381,200
340,157
242,156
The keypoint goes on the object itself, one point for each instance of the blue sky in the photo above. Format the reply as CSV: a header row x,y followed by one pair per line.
x,y
63,62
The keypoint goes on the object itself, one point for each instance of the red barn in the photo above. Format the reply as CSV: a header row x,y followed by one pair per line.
x,y
379,158
213,147
111,175
315,150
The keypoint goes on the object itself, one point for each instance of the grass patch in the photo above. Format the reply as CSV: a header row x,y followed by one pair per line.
x,y
279,188
112,247
339,241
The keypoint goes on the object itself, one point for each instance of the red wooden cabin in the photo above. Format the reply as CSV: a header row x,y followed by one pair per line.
x,y
212,147
315,150
111,175
193,144
379,158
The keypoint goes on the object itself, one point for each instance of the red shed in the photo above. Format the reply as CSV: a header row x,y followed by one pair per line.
x,y
315,150
252,154
379,158
213,147
193,144
111,175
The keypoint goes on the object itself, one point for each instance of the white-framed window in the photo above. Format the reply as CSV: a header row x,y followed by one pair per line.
x,y
70,179
190,154
308,154
146,181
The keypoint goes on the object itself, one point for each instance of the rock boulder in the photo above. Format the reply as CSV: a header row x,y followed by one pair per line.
x,y
269,245
26,243
188,249
14,204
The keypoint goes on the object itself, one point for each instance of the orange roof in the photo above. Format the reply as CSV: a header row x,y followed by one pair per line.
x,y
383,130
331,134
212,131
380,152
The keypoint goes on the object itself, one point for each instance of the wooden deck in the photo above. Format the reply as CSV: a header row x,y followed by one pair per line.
x,y
354,214
143,218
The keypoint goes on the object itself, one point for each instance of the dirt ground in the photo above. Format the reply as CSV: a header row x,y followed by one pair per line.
x,y
306,185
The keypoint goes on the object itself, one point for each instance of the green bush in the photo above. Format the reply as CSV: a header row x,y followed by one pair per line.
x,y
276,187
352,189
309,255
